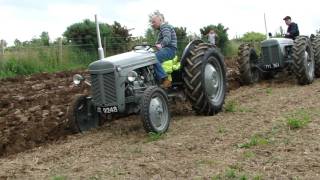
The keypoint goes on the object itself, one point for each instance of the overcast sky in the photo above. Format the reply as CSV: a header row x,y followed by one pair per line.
x,y
25,19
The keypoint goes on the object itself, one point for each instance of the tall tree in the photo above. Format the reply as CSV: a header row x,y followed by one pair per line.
x,y
181,33
44,37
17,43
120,37
84,34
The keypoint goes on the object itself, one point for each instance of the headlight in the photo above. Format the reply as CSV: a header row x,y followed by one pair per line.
x,y
132,76
77,78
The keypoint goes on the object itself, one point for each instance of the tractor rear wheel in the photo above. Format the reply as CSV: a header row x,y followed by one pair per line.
x,y
316,48
303,60
247,57
204,77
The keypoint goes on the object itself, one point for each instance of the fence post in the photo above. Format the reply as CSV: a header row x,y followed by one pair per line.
x,y
60,50
2,48
105,45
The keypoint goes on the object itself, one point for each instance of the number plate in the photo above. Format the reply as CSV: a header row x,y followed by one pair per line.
x,y
108,110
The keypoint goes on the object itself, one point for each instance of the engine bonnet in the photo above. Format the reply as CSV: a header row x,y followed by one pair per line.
x,y
276,41
130,59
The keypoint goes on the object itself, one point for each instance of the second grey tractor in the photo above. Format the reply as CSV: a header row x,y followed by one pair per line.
x,y
300,57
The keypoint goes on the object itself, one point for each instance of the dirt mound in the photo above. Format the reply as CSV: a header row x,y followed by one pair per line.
x,y
33,109
233,73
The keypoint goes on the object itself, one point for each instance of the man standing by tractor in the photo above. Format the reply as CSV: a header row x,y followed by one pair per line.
x,y
166,45
293,30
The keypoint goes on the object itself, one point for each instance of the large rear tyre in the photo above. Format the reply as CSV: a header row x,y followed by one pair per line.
x,y
204,76
83,115
316,48
303,60
155,114
247,58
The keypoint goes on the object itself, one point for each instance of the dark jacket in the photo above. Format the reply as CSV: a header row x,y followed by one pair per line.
x,y
293,31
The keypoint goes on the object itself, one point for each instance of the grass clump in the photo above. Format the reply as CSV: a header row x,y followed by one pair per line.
x,y
254,141
152,136
298,119
231,106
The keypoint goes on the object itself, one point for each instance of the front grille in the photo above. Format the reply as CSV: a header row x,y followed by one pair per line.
x,y
271,54
103,89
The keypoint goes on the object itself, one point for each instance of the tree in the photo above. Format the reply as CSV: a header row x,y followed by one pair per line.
x,y
151,36
120,37
84,34
253,37
318,32
17,43
44,37
182,39
222,35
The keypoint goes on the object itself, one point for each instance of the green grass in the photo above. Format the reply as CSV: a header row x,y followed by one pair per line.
x,y
154,136
28,61
235,174
269,91
221,130
298,119
231,106
231,49
255,141
248,155
59,178
208,162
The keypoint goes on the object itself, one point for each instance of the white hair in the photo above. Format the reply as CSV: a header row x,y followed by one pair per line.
x,y
156,14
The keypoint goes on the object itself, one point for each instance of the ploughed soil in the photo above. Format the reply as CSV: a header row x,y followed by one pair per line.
x,y
270,130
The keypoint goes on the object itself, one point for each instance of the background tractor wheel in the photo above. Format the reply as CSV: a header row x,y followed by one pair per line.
x,y
247,57
83,115
303,60
204,76
155,114
316,48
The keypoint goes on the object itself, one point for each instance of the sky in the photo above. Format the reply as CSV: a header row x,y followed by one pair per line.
x,y
26,19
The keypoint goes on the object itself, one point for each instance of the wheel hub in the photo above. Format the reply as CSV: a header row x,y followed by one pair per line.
x,y
213,82
157,112
309,64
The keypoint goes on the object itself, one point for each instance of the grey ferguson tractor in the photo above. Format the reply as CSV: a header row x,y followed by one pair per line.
x,y
125,84
300,57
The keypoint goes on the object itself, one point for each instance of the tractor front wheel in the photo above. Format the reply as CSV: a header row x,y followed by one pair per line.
x,y
155,114
83,115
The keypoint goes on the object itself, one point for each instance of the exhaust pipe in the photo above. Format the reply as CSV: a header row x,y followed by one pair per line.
x,y
100,49
265,26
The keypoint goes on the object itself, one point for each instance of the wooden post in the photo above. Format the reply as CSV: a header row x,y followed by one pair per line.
x,y
60,51
105,45
2,47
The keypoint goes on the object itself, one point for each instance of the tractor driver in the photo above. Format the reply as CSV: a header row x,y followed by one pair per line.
x,y
293,30
166,45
